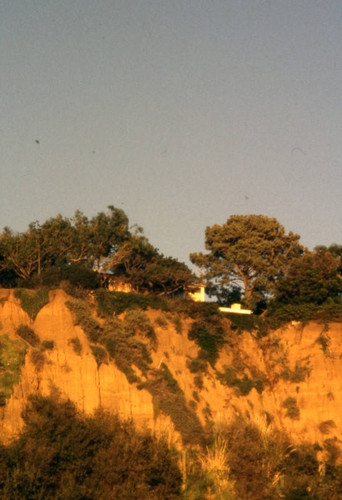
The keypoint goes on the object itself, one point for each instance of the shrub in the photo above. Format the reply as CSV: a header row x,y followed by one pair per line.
x,y
169,398
26,333
117,302
37,358
90,326
323,340
32,302
299,373
109,303
198,381
125,349
279,314
197,365
170,381
137,321
2,398
48,345
292,410
99,354
117,337
209,335
76,344
327,426
77,275
178,324
244,384
162,322
12,357
80,276
242,322
64,454
195,395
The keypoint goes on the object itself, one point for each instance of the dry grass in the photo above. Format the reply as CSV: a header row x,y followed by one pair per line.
x,y
215,459
215,464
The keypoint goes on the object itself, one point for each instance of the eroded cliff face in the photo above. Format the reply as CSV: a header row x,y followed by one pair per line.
x,y
300,368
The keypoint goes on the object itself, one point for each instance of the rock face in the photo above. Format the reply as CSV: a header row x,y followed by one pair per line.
x,y
300,368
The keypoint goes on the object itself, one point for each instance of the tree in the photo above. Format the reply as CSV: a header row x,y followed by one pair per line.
x,y
20,252
313,277
60,242
248,253
139,263
107,232
336,251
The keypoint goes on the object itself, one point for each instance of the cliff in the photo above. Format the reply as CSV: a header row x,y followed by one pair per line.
x,y
290,379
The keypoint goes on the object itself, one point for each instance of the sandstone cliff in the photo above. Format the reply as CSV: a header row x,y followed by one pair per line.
x,y
300,369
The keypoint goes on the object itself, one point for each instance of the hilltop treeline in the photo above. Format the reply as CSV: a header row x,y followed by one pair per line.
x,y
72,248
249,259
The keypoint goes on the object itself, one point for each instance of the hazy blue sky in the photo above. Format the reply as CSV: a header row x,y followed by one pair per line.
x,y
181,112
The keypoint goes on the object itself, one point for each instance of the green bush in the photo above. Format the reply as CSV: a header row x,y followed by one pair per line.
x,y
76,344
109,303
12,358
48,345
244,384
117,337
209,334
162,322
198,381
38,359
137,322
323,340
170,381
195,395
178,324
292,410
32,302
279,314
2,398
26,333
77,275
90,326
197,365
169,398
64,454
127,351
327,426
242,322
99,354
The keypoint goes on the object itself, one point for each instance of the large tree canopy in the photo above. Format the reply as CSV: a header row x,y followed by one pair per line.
x,y
70,249
311,278
247,254
140,264
63,241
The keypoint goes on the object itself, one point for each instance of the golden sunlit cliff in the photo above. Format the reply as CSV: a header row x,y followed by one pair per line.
x,y
290,379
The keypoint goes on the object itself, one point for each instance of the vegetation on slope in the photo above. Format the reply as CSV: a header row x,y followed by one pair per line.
x,y
64,454
32,301
12,357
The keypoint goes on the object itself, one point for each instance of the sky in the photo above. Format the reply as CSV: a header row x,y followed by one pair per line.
x,y
180,112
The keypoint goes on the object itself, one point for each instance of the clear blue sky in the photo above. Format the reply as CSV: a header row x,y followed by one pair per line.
x,y
181,112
